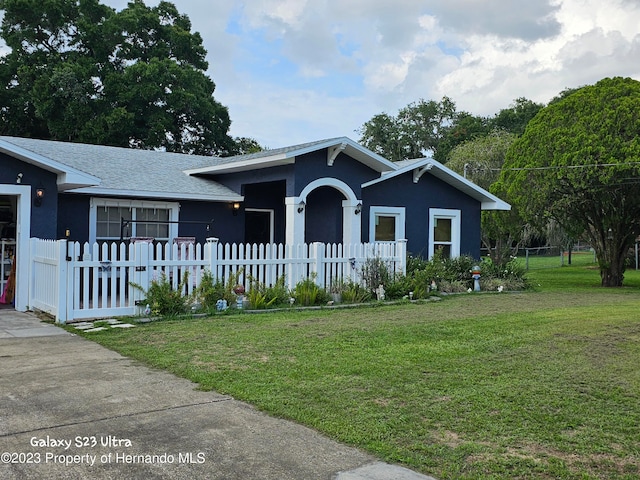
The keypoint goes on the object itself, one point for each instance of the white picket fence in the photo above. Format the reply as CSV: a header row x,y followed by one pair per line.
x,y
72,281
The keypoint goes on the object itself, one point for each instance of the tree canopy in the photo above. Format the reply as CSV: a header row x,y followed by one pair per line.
x,y
430,128
420,129
80,71
516,117
578,163
480,160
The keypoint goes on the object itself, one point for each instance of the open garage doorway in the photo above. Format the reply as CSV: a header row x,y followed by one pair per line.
x,y
8,218
15,231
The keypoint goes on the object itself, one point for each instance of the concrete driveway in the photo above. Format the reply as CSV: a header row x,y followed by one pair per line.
x,y
71,409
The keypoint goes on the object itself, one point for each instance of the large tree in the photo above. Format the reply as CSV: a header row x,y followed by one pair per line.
x,y
480,160
80,71
578,163
515,118
422,128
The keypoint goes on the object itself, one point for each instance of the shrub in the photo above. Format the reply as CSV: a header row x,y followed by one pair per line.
x,y
399,287
375,272
355,293
453,275
421,282
260,296
210,291
307,292
162,299
415,263
509,270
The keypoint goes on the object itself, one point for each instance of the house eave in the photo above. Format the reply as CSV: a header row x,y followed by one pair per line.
x,y
334,146
495,205
243,166
67,177
110,192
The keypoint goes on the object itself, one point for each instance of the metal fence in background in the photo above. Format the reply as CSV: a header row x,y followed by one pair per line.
x,y
552,257
549,257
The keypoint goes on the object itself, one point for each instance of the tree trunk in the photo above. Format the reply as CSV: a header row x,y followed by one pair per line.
x,y
612,276
612,269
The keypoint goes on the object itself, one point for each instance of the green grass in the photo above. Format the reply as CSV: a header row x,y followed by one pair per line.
x,y
541,384
578,259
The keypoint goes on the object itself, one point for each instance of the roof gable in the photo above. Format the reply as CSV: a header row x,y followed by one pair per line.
x,y
287,156
419,167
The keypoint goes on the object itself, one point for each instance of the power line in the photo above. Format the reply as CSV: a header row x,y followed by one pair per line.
x,y
557,167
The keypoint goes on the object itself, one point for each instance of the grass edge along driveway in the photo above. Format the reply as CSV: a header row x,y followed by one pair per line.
x,y
541,384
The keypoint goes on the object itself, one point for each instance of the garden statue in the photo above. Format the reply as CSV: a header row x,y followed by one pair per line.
x,y
221,305
475,274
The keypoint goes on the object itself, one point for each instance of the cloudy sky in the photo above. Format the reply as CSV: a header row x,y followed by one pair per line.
x,y
292,71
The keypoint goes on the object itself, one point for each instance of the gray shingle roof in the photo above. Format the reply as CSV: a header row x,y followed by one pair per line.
x,y
270,152
131,171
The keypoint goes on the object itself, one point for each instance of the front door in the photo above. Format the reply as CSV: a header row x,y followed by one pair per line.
x,y
258,226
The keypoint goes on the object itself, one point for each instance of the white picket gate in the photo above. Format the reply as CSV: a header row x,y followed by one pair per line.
x,y
72,281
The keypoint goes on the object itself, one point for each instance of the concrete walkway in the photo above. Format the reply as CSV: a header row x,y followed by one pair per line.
x,y
71,409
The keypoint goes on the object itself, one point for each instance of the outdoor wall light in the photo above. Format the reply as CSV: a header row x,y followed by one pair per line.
x,y
358,208
37,199
236,208
19,178
301,206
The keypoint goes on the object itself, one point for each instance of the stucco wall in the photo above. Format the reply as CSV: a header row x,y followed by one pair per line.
x,y
313,165
44,217
74,215
429,192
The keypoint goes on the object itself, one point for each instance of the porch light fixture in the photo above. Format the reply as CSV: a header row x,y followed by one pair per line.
x,y
37,199
236,208
301,206
358,208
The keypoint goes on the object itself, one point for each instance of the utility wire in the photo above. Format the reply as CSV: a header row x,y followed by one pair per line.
x,y
553,167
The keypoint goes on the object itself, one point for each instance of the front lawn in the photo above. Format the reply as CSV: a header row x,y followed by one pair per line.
x,y
542,384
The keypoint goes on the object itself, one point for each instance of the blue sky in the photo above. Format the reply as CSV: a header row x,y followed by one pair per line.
x,y
292,71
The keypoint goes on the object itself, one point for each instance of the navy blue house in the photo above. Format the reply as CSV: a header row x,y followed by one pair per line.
x,y
332,191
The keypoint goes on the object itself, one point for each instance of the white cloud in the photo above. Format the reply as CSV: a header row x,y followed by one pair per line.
x,y
297,70
483,54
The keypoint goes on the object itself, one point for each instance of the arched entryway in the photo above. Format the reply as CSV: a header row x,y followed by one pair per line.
x,y
324,208
325,204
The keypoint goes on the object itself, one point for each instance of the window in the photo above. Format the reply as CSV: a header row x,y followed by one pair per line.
x,y
386,224
444,232
106,219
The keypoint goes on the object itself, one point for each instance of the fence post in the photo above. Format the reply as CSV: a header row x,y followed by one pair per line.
x,y
212,252
401,253
32,270
318,264
527,259
61,315
141,265
71,258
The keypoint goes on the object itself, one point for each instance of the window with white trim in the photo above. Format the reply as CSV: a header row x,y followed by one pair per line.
x,y
444,232
386,224
146,219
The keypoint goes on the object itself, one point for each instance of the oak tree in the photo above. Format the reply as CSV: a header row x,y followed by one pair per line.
x,y
80,71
